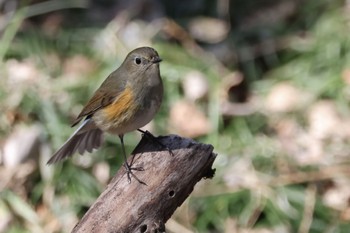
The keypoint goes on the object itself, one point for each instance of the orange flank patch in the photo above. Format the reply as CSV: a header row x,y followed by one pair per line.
x,y
122,108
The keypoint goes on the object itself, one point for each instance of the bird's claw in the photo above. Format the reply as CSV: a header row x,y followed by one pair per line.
x,y
129,173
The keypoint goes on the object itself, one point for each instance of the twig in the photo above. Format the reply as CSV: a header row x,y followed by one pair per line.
x,y
323,173
309,206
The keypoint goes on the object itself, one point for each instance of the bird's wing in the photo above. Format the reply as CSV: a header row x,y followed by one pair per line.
x,y
86,138
109,90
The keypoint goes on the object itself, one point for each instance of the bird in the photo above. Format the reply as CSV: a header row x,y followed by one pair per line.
x,y
126,101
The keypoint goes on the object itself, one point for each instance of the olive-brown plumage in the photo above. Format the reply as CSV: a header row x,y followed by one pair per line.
x,y
126,101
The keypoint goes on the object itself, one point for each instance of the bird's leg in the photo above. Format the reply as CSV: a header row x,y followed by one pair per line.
x,y
127,166
154,139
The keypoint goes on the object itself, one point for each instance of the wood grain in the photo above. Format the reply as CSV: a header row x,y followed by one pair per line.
x,y
170,179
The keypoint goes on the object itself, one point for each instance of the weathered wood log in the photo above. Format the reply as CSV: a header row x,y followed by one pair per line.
x,y
133,207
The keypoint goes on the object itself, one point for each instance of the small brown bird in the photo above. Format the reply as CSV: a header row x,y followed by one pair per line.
x,y
126,101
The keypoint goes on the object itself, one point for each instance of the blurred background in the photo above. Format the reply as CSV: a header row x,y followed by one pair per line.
x,y
267,83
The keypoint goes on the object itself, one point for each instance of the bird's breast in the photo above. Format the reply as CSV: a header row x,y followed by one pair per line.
x,y
122,107
132,109
118,113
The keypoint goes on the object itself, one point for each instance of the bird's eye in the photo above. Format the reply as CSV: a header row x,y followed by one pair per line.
x,y
138,61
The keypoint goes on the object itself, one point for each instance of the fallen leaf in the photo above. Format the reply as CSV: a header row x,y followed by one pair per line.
x,y
101,172
19,72
195,85
284,97
209,30
22,144
188,120
78,66
324,120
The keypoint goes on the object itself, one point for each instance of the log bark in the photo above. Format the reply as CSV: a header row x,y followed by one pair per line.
x,y
170,178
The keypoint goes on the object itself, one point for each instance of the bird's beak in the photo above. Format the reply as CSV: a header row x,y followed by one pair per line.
x,y
156,59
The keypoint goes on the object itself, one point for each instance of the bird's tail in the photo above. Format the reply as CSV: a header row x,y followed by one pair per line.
x,y
86,138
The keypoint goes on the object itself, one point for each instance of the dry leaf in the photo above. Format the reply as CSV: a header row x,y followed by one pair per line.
x,y
299,144
284,97
19,72
101,172
195,85
78,66
234,179
23,143
188,120
209,30
338,196
324,120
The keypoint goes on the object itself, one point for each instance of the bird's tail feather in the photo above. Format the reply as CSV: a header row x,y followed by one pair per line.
x,y
86,138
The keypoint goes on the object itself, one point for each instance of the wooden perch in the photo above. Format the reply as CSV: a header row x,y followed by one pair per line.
x,y
170,179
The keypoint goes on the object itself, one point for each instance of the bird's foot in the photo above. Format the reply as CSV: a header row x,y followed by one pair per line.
x,y
129,173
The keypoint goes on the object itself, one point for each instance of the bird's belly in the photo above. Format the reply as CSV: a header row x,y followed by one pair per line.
x,y
130,120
